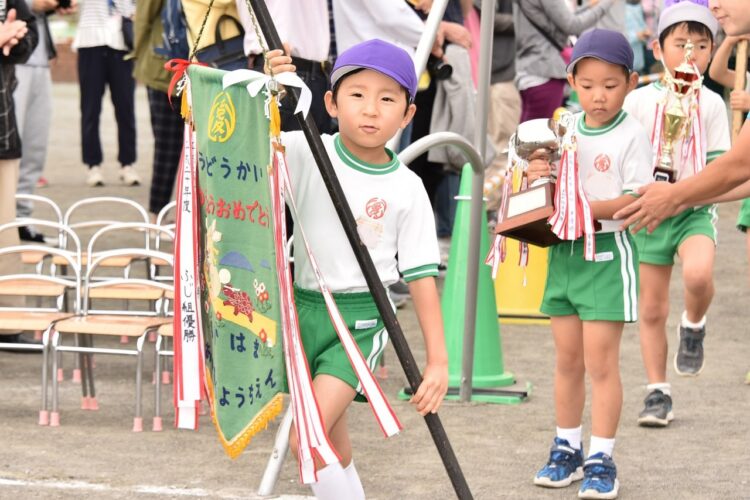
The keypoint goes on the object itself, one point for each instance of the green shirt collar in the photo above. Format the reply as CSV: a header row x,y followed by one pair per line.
x,y
368,168
586,130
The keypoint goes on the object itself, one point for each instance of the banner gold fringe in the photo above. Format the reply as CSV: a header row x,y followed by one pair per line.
x,y
235,447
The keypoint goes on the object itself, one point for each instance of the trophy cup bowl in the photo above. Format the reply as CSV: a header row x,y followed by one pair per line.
x,y
526,212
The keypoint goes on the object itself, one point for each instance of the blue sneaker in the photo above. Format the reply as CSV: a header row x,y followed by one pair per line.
x,y
599,478
565,465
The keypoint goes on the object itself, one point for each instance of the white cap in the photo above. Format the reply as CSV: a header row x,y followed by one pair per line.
x,y
687,11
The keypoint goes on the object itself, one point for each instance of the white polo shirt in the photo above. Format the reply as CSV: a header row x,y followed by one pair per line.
x,y
389,204
613,160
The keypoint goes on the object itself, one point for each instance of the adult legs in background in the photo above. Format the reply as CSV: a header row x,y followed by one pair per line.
x,y
504,116
542,101
167,128
91,78
33,103
122,90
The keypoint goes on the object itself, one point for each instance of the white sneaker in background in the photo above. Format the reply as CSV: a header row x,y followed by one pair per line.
x,y
95,178
129,176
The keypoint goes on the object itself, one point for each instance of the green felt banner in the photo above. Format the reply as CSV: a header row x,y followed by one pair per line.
x,y
240,293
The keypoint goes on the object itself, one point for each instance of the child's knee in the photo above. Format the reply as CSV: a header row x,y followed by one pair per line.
x,y
698,281
600,371
569,364
654,311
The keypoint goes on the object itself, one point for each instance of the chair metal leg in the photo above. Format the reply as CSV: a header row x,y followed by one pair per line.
x,y
276,460
138,420
77,377
43,411
88,380
54,420
157,423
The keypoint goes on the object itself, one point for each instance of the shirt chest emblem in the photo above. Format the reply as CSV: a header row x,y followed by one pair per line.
x,y
375,208
602,162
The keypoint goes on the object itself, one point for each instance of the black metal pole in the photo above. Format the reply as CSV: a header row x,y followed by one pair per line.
x,y
390,321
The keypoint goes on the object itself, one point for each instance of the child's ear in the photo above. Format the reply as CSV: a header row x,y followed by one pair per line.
x,y
656,47
408,115
330,104
633,80
571,80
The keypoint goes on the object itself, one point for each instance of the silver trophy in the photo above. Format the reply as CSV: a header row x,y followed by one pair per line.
x,y
526,212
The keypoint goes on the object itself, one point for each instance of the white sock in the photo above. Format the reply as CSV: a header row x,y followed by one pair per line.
x,y
688,324
572,436
332,484
664,387
601,445
354,481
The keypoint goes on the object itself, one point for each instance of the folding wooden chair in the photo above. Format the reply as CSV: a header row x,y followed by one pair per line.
x,y
163,220
52,289
104,211
38,258
113,320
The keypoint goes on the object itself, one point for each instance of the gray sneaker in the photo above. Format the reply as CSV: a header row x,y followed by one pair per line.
x,y
657,411
688,361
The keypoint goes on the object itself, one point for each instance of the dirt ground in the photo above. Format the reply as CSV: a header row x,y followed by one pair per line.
x,y
704,454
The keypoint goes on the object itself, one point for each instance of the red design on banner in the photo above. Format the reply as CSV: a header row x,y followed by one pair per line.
x,y
602,162
376,208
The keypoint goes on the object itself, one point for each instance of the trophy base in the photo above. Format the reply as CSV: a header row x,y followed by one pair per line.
x,y
662,174
526,215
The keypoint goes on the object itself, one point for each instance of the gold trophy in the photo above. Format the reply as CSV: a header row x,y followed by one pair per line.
x,y
526,212
683,84
674,119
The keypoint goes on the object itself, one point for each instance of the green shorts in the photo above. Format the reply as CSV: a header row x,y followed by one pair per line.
x,y
661,246
605,289
743,218
323,349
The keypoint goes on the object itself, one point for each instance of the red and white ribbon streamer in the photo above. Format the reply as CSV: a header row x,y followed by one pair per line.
x,y
693,151
309,426
497,252
188,337
572,217
297,368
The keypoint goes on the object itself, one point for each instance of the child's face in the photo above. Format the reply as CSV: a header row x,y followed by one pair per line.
x,y
370,109
601,88
733,15
672,53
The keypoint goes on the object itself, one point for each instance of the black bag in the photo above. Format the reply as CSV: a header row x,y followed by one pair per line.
x,y
226,54
127,32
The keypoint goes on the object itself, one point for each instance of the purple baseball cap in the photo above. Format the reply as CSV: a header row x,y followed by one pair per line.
x,y
605,45
379,56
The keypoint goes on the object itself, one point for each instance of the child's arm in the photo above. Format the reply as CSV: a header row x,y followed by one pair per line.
x,y
719,70
434,384
605,209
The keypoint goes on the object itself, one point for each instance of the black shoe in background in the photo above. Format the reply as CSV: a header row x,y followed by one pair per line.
x,y
27,233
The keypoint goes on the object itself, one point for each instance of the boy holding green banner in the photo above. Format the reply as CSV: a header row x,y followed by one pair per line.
x,y
373,87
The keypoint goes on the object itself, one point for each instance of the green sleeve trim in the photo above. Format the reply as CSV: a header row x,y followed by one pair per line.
x,y
420,272
712,155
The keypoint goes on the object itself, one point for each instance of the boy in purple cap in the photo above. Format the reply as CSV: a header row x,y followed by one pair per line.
x,y
373,86
690,234
589,301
